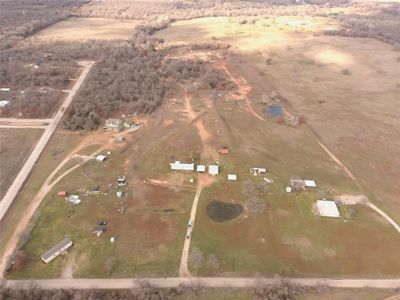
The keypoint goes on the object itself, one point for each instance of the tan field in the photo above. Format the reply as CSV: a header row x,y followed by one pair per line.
x,y
80,29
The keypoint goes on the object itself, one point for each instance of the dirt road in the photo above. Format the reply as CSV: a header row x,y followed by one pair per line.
x,y
215,282
183,268
361,199
30,162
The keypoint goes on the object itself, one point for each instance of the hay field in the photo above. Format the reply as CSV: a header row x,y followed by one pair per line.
x,y
81,29
256,34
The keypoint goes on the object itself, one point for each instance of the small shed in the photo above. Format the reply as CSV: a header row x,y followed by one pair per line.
x,y
74,199
119,139
62,194
223,151
310,183
99,230
120,194
5,89
256,171
213,169
232,177
101,157
201,168
328,208
57,250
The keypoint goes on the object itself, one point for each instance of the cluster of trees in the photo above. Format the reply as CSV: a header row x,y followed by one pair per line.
x,y
281,290
127,79
253,193
186,9
21,18
383,24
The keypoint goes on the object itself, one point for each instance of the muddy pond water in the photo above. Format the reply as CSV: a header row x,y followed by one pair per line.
x,y
220,211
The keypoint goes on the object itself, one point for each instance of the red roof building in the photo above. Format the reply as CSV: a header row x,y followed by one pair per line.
x,y
223,151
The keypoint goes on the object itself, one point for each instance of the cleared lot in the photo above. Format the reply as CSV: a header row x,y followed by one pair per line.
x,y
80,29
15,146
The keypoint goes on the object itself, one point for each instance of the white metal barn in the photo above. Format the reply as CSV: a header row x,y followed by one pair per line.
x,y
213,169
327,209
181,166
201,168
232,177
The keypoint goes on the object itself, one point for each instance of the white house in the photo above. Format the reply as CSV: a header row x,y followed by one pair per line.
x,y
328,209
181,167
201,168
213,169
232,177
56,250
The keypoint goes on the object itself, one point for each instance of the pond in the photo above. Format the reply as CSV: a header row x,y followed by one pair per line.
x,y
220,211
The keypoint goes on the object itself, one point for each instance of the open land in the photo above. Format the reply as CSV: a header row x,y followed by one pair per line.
x,y
345,88
81,29
15,146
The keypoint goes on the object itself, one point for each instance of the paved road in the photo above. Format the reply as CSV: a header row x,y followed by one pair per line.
x,y
215,282
30,162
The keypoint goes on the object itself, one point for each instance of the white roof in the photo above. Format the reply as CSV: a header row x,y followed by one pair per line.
x,y
232,177
101,157
4,103
201,168
310,183
213,169
327,209
5,89
259,170
183,167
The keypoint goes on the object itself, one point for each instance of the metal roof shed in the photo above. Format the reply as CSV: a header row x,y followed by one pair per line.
x,y
310,183
201,168
232,177
101,157
213,169
327,209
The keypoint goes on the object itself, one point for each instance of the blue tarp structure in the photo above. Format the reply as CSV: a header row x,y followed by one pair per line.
x,y
275,110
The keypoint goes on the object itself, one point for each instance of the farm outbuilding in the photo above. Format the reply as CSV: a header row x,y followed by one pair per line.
x,y
98,230
101,157
256,171
232,177
62,194
4,103
181,166
213,169
223,151
201,168
56,250
328,209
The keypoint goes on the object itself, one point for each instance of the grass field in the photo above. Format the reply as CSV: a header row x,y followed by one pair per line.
x,y
59,146
15,147
353,114
80,29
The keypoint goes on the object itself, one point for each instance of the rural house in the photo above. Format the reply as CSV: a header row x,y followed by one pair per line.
x,y
181,167
256,171
113,124
301,185
58,249
232,177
